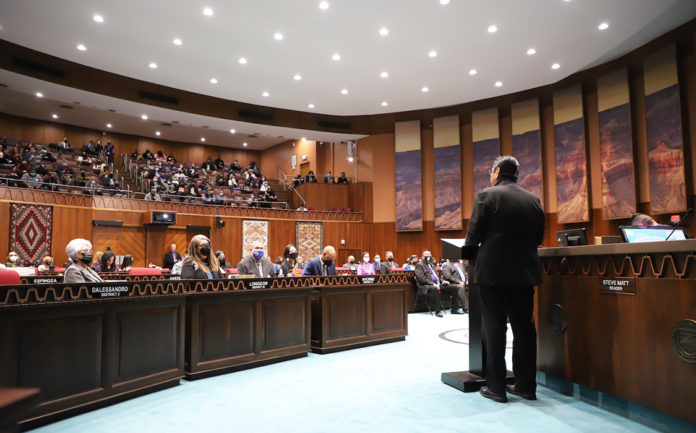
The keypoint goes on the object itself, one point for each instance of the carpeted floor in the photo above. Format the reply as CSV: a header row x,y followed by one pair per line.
x,y
387,388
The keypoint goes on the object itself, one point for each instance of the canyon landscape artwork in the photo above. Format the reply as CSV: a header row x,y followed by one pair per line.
x,y
527,150
485,152
448,188
571,172
409,193
616,156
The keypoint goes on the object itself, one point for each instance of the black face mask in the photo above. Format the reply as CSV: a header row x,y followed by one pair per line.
x,y
86,258
391,259
293,255
327,262
428,259
205,251
352,262
221,260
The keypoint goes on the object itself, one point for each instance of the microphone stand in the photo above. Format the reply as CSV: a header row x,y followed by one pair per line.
x,y
676,226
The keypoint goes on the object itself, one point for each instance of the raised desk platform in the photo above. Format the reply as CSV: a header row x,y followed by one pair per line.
x,y
621,319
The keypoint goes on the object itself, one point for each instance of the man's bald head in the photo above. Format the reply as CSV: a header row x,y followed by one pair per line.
x,y
329,253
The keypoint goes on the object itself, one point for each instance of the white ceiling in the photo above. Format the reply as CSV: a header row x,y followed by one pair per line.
x,y
135,33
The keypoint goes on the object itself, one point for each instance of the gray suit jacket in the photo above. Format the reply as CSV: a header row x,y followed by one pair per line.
x,y
77,274
450,273
247,266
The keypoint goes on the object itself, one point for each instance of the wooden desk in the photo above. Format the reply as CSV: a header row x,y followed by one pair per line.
x,y
608,316
15,403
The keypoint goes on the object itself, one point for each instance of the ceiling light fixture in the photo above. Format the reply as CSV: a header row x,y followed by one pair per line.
x,y
555,66
384,103
81,47
233,131
242,61
39,95
144,117
245,144
444,2
265,94
531,52
213,81
344,91
297,77
384,74
177,42
336,57
473,72
603,26
303,138
432,53
498,84
350,159
108,125
153,65
157,133
324,5
492,29
208,12
98,18
203,139
55,116
278,36
310,106
424,89
384,31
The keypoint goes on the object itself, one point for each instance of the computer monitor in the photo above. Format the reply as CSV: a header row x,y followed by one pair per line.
x,y
572,237
635,234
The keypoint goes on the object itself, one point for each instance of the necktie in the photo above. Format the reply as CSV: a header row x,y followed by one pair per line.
x,y
433,274
461,273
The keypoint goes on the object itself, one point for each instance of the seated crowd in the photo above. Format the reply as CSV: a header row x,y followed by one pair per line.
x,y
311,178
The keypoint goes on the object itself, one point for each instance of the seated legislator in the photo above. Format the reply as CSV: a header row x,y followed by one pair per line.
x,y
46,264
365,267
12,260
323,264
641,219
200,264
387,266
290,267
171,257
350,264
79,252
107,263
453,272
256,264
428,282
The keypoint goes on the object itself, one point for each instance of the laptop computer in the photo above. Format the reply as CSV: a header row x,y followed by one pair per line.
x,y
635,234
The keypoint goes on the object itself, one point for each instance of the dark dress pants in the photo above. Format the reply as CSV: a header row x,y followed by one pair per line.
x,y
432,297
516,303
458,295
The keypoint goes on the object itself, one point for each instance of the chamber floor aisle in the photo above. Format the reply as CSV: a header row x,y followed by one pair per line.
x,y
387,388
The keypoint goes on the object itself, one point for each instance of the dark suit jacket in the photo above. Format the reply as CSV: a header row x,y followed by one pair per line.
x,y
313,267
424,279
508,222
450,273
171,258
190,271
247,266
329,179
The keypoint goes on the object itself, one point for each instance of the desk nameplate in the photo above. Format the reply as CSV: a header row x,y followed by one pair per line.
x,y
618,286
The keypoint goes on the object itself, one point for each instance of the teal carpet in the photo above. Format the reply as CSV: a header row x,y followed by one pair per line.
x,y
387,388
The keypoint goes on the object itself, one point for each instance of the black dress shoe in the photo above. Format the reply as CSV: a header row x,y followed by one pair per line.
x,y
493,396
525,395
458,311
439,314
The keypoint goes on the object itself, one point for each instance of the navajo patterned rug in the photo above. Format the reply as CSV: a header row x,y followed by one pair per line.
x,y
309,239
31,228
254,231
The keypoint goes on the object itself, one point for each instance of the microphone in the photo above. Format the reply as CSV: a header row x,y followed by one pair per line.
x,y
676,226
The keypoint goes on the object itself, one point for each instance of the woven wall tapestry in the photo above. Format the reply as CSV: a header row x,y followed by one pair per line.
x,y
254,231
309,239
31,227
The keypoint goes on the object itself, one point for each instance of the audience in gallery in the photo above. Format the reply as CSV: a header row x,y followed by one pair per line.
x,y
310,178
200,263
365,267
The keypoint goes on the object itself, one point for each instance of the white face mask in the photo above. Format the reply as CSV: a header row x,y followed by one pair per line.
x,y
13,259
366,259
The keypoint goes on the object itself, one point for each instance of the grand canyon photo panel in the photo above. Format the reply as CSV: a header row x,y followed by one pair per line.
x,y
409,192
665,142
486,145
526,145
448,173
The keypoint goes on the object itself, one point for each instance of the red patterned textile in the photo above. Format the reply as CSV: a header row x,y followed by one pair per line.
x,y
31,227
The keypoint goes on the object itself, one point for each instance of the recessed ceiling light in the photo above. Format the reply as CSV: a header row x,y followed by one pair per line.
x,y
492,29
157,133
245,144
344,91
177,41
432,53
108,125
208,12
297,77
444,2
278,36
323,5
424,89
265,94
153,65
336,57
555,66
213,81
350,159
473,72
498,84
98,18
233,131
384,31
303,138
55,116
242,61
531,52
39,95
81,47
144,117
384,103
384,74
603,26
310,106
202,138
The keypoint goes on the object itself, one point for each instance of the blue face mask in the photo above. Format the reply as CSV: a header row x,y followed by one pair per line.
x,y
258,254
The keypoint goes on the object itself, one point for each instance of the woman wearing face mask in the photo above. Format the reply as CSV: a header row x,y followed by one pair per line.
x,y
12,260
200,264
79,252
290,267
46,264
365,267
220,255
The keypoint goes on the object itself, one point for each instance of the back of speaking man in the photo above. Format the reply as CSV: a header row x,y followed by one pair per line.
x,y
507,224
322,265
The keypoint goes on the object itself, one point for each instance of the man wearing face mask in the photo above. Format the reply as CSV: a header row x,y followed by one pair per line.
x,y
79,252
31,179
322,265
12,260
429,283
388,265
255,263
350,264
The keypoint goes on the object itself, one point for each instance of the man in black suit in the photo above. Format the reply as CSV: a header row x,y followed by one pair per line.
x,y
171,257
455,274
329,178
386,266
429,283
507,225
323,264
